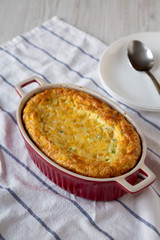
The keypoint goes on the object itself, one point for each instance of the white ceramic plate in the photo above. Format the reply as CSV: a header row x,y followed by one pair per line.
x,y
123,82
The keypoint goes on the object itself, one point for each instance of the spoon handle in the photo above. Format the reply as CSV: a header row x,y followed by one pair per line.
x,y
156,83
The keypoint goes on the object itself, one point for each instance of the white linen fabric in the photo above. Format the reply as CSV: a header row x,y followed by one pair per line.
x,y
33,207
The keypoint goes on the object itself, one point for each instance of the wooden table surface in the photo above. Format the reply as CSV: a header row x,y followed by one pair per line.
x,y
107,20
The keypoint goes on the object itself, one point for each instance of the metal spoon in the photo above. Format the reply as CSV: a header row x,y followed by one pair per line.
x,y
142,59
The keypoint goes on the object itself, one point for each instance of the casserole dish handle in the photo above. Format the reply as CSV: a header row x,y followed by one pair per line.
x,y
145,182
26,82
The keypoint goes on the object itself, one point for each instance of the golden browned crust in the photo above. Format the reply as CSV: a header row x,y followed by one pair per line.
x,y
81,133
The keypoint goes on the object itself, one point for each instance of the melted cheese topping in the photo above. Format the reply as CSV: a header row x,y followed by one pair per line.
x,y
81,133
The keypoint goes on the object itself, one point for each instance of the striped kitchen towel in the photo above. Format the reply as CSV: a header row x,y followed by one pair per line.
x,y
33,207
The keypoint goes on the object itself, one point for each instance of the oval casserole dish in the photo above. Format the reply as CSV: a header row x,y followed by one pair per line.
x,y
97,182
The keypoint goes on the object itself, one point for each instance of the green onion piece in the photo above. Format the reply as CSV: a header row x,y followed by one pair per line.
x,y
99,136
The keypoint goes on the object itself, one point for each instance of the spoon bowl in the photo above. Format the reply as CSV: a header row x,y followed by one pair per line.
x,y
141,58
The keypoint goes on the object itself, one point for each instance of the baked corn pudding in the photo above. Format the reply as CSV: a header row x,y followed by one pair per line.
x,y
81,133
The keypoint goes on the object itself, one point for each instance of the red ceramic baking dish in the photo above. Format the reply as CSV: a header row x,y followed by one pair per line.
x,y
99,189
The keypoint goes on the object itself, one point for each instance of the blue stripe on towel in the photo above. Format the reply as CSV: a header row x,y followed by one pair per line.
x,y
145,119
24,65
5,80
2,238
14,120
90,219
70,43
153,152
54,191
61,62
32,213
156,191
141,177
139,218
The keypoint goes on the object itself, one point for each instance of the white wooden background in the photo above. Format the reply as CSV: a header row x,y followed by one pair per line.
x,y
107,20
